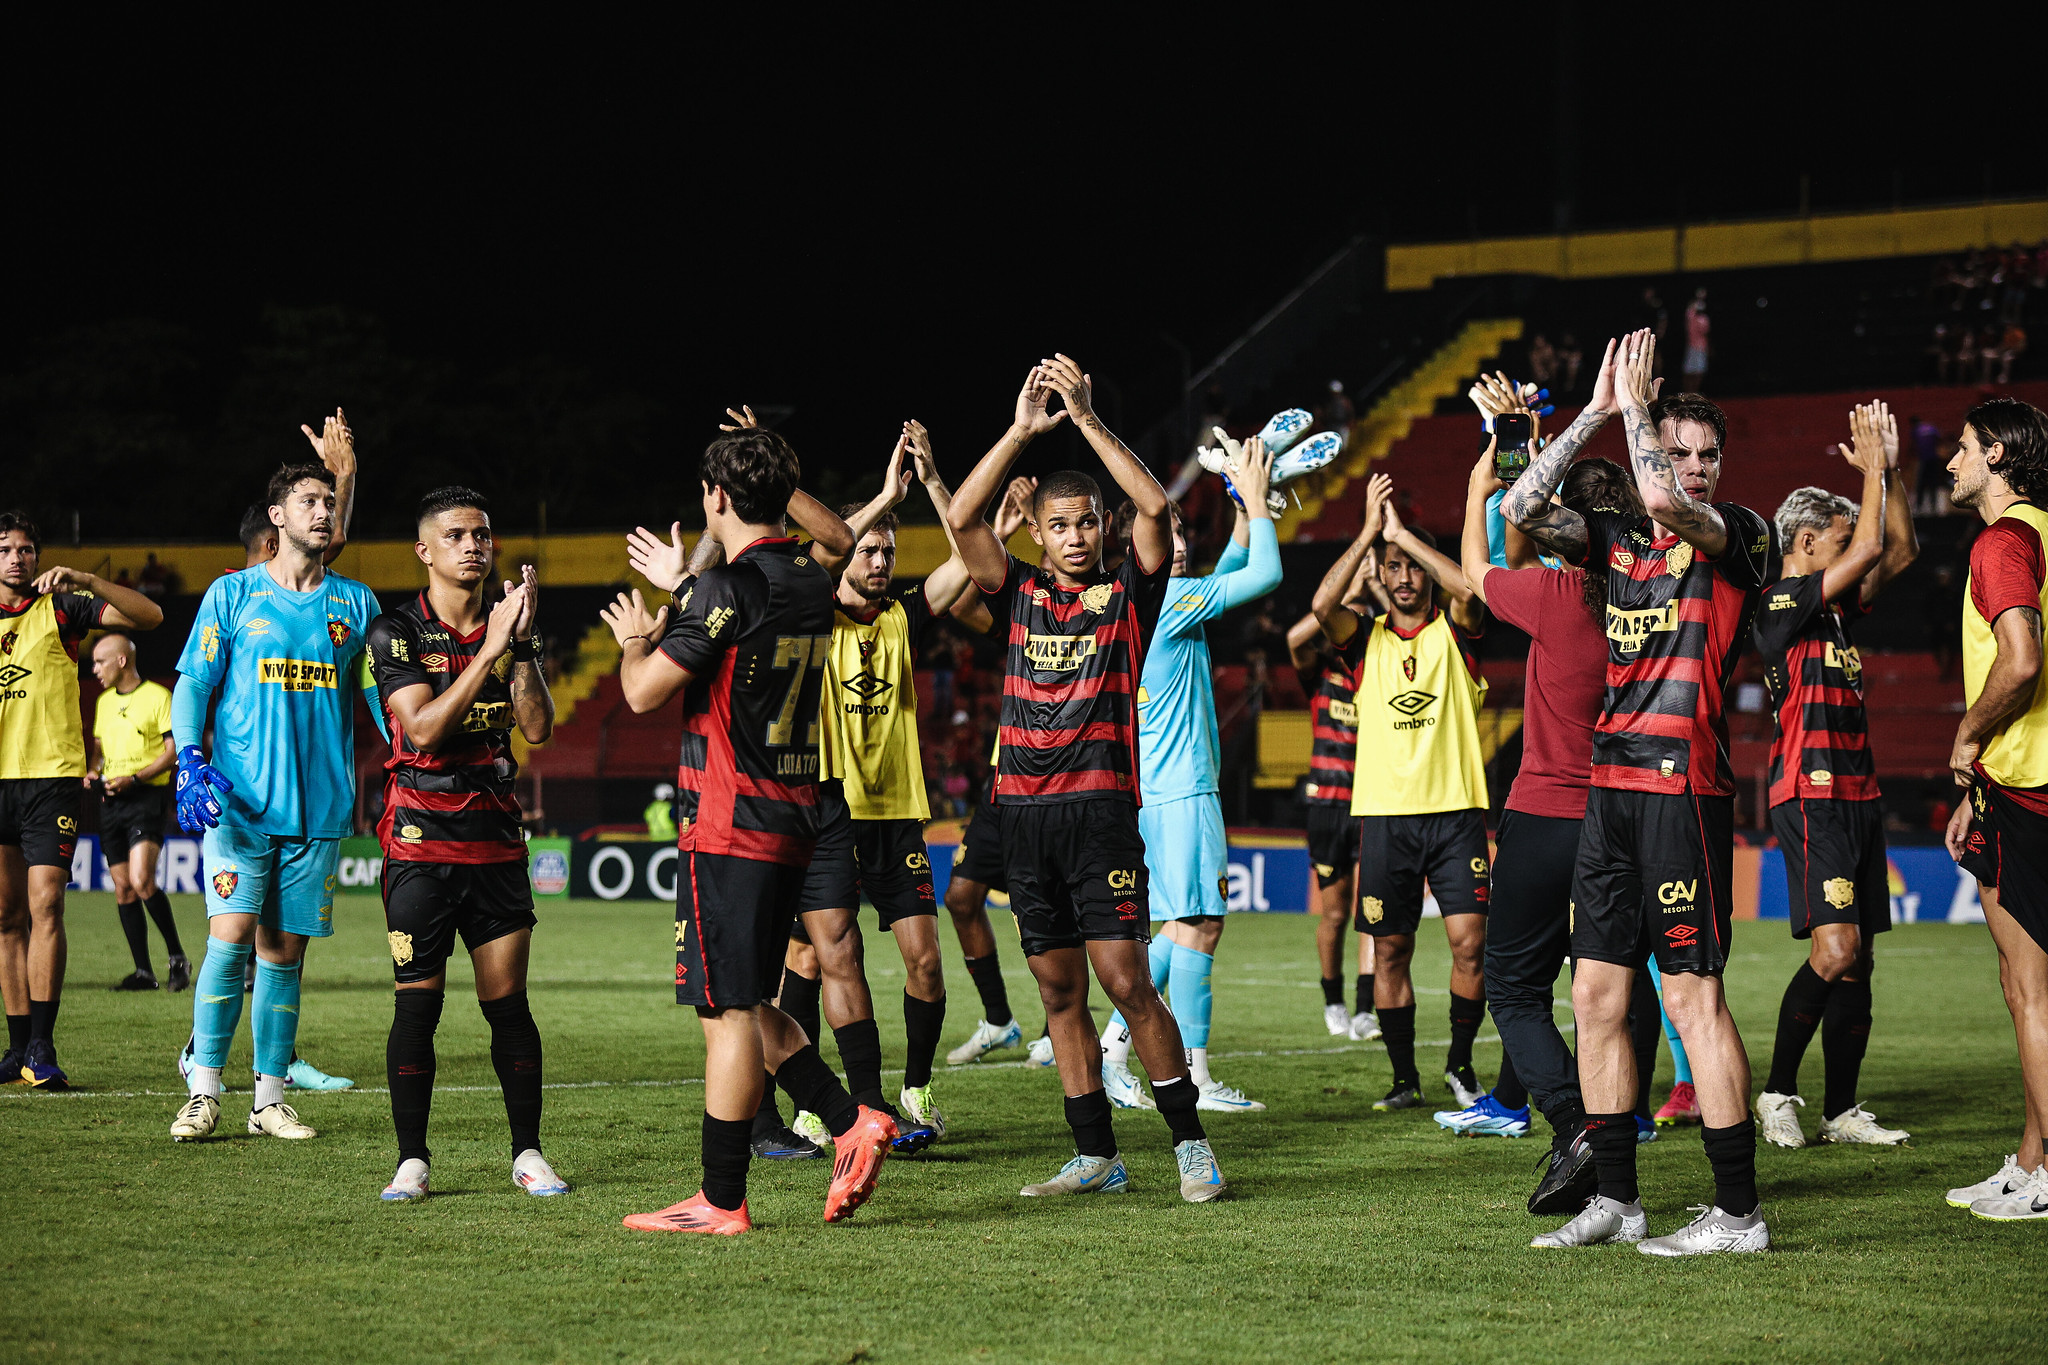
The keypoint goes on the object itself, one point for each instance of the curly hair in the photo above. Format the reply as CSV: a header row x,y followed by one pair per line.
x,y
1598,485
2022,429
291,476
758,471
19,521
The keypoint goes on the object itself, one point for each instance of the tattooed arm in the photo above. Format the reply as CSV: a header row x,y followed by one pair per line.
x,y
1528,506
1667,502
2008,688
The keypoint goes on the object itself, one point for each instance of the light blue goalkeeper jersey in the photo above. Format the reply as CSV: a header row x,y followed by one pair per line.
x,y
1179,753
288,666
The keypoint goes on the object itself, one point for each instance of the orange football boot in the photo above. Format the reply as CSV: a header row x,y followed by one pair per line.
x,y
861,1151
695,1214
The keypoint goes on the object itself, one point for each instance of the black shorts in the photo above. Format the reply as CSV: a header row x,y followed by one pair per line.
x,y
980,855
39,815
1834,864
732,928
134,817
884,859
427,904
1332,841
2008,848
1654,875
1077,873
1397,852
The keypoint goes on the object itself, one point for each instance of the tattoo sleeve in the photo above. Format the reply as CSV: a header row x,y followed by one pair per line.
x,y
1527,504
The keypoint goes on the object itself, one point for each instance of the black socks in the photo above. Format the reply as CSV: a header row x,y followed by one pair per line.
x,y
1845,1034
810,1084
1799,1014
800,1001
1397,1030
1088,1116
1177,1101
1466,1016
1613,1140
860,1052
409,1067
17,1032
923,1022
42,1019
726,1156
515,1056
1333,990
767,1118
159,907
987,975
136,930
1363,991
1508,1089
1732,1153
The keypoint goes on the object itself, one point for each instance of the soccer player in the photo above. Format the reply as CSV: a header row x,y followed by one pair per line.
x,y
43,616
747,652
1823,788
978,861
1181,820
872,806
1657,846
1424,812
1330,678
282,645
456,676
132,758
1068,771
2000,833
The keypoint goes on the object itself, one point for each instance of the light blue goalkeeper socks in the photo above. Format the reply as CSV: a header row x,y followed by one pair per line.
x,y
276,1021
217,1001
1192,1001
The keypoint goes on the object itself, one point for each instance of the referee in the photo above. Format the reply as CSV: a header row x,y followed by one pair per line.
x,y
132,758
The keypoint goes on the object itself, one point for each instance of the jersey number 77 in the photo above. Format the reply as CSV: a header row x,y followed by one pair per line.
x,y
797,653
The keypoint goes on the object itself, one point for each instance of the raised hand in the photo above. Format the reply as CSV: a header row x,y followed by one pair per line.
x,y
1251,472
661,562
1073,386
896,479
1016,508
630,620
334,445
1867,454
529,584
1484,478
743,420
1390,519
1379,492
1032,401
1602,400
1888,431
504,623
1632,384
1494,394
919,442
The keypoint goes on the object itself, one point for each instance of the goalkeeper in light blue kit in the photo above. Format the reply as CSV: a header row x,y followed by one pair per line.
x,y
1179,756
282,643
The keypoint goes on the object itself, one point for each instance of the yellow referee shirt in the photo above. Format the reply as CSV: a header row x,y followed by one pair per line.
x,y
131,727
42,733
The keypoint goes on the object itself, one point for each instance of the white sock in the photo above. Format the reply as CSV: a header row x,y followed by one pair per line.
x,y
1116,1045
1198,1067
205,1081
269,1091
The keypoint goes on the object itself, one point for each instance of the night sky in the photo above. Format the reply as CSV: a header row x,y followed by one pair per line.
x,y
542,263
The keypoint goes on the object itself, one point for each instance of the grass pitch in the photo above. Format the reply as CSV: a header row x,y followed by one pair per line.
x,y
1348,1235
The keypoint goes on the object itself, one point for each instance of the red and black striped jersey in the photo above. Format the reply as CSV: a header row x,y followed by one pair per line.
x,y
754,635
456,804
1069,720
1822,749
1676,624
1333,719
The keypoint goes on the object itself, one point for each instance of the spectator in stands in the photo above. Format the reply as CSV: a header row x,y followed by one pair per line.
x,y
2011,346
1932,474
1942,608
1570,359
1657,318
1967,352
1697,326
1542,360
1335,412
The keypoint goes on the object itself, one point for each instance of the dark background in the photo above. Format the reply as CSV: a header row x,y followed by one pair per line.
x,y
540,261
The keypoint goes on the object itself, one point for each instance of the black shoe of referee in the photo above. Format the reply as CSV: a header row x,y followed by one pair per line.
x,y
1570,1179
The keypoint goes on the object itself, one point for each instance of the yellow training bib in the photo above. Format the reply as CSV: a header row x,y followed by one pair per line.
x,y
42,733
1418,725
870,718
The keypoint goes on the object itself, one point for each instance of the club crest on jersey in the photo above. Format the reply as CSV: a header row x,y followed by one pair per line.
x,y
867,649
7,641
338,632
1408,668
1821,777
1678,559
412,834
1096,597
1840,891
401,947
1622,559
1374,909
224,883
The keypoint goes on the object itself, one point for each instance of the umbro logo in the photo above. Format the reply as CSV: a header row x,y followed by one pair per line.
x,y
12,674
866,686
1408,703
